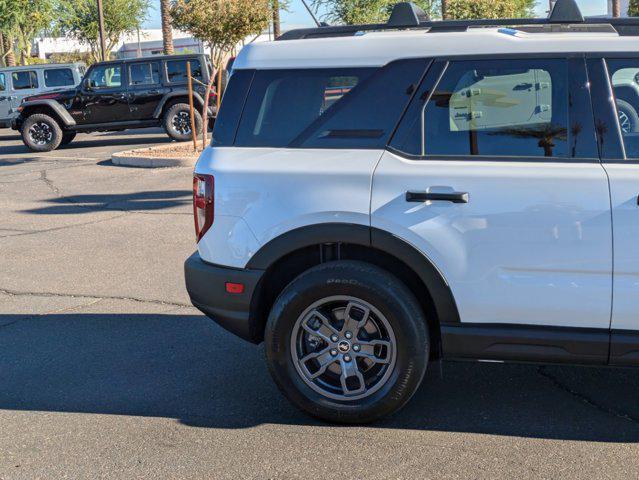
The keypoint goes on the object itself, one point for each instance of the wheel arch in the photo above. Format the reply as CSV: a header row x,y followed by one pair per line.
x,y
285,257
172,98
48,107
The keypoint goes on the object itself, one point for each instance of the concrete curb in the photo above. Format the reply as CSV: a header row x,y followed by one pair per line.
x,y
136,158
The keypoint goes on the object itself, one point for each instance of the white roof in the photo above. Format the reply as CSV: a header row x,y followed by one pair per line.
x,y
379,48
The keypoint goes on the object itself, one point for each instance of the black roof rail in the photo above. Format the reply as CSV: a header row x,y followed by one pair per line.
x,y
409,16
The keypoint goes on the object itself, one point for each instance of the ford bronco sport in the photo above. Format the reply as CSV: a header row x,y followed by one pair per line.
x,y
118,95
376,197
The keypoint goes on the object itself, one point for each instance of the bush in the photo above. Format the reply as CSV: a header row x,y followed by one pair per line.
x,y
633,8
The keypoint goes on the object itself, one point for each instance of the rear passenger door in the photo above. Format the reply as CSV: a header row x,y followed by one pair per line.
x,y
618,78
145,89
24,83
494,175
5,97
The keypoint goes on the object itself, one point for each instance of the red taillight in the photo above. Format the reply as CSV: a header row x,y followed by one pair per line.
x,y
202,203
235,288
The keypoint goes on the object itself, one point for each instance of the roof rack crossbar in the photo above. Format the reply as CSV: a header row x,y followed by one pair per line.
x,y
409,16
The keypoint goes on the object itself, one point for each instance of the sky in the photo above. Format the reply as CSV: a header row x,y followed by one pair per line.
x,y
299,17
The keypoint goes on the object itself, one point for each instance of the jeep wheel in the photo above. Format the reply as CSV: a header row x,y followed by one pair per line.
x,y
347,342
41,133
67,138
177,122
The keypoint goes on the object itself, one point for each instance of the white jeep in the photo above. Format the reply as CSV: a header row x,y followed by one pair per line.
x,y
379,196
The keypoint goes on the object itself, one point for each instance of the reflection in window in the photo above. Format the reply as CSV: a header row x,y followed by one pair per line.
x,y
144,74
106,76
625,84
500,108
3,82
58,77
24,80
176,70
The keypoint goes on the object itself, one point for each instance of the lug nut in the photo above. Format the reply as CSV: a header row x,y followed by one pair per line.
x,y
356,348
334,352
334,338
348,335
347,358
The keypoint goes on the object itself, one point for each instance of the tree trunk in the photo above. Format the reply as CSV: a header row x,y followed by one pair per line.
x,y
10,58
167,32
1,50
276,18
444,9
616,8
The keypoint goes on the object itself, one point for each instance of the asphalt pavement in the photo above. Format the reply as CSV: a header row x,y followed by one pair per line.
x,y
106,371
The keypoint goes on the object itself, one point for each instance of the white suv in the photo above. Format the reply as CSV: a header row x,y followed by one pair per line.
x,y
379,196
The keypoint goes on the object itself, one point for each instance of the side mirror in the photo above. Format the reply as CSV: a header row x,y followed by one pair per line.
x,y
87,85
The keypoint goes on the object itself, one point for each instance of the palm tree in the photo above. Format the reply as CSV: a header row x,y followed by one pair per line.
x,y
616,8
445,9
167,30
9,56
275,5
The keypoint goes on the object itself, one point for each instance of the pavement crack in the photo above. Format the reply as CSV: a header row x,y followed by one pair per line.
x,y
19,293
541,370
54,229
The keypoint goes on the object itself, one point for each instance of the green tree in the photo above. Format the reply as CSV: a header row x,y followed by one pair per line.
x,y
33,16
469,9
9,17
221,25
633,8
352,12
79,19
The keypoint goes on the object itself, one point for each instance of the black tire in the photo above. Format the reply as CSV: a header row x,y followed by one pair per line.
x,y
390,298
628,117
177,122
67,138
41,133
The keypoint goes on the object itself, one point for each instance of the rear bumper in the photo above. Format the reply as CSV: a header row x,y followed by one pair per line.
x,y
206,285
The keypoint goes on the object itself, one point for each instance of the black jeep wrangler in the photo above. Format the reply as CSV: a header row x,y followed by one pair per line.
x,y
118,95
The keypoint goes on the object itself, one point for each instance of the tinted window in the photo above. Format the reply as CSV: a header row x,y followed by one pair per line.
x,y
367,117
144,74
176,70
497,108
58,77
625,84
231,108
24,80
106,76
281,104
3,82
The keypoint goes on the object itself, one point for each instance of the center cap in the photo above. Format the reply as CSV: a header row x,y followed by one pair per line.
x,y
344,346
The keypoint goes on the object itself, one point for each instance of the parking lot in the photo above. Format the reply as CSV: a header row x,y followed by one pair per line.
x,y
107,372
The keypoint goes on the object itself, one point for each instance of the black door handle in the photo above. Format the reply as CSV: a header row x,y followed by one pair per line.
x,y
455,197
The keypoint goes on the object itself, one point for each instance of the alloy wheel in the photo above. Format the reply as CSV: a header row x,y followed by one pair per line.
x,y
182,123
343,348
40,133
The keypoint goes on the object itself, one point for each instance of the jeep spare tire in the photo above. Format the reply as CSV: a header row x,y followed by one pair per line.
x,y
177,122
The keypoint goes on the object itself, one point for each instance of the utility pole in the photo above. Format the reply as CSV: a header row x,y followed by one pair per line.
x,y
102,35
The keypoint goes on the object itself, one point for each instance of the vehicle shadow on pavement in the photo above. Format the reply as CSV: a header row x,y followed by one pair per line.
x,y
149,200
88,142
187,368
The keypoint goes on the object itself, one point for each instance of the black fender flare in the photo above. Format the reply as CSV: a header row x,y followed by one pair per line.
x,y
363,235
179,93
59,110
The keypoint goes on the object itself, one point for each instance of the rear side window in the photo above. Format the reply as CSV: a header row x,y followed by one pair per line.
x,y
625,84
24,80
3,82
58,77
231,108
496,108
282,104
144,73
176,70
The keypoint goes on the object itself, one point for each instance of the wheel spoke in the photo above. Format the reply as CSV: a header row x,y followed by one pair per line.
x,y
323,327
355,317
350,372
368,350
323,357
